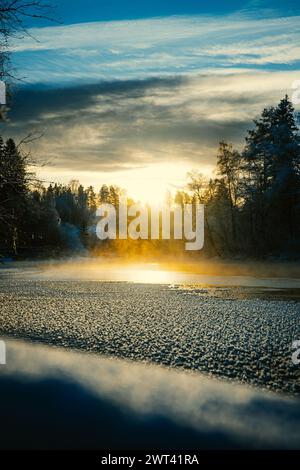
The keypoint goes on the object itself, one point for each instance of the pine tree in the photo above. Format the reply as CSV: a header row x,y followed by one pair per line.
x,y
13,192
103,196
271,176
228,167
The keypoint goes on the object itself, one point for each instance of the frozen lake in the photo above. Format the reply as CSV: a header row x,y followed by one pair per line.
x,y
238,328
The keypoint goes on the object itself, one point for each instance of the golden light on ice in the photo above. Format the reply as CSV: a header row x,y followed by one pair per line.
x,y
152,274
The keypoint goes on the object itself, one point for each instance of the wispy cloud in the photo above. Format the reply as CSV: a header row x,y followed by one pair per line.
x,y
157,47
115,97
128,124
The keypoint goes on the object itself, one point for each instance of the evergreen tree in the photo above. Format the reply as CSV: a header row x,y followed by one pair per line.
x,y
228,167
271,177
103,194
13,192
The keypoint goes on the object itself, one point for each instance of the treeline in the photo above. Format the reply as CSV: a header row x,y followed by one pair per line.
x,y
252,206
37,220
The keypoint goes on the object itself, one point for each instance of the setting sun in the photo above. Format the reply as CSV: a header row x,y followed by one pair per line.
x,y
152,184
149,184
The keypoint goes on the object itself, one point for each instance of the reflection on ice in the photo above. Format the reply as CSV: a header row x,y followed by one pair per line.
x,y
98,269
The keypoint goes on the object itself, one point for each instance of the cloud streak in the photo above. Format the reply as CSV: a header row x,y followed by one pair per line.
x,y
131,124
96,51
127,95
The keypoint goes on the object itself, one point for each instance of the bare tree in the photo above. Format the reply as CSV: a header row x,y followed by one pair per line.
x,y
13,24
13,15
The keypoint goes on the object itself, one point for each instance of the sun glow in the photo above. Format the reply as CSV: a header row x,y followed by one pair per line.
x,y
151,184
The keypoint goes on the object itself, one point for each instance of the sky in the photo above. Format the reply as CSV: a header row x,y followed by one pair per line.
x,y
138,93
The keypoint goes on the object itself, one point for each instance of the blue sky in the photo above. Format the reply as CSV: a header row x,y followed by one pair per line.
x,y
157,47
123,89
81,11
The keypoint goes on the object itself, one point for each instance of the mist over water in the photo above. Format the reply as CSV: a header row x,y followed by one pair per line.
x,y
203,273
